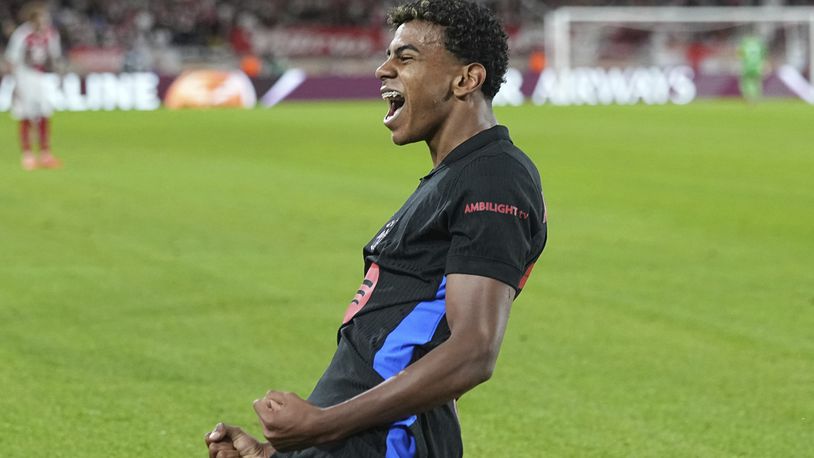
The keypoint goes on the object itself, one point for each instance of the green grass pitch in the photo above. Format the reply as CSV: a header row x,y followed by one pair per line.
x,y
183,263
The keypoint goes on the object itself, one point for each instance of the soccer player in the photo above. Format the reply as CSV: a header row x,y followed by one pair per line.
x,y
752,52
33,50
427,323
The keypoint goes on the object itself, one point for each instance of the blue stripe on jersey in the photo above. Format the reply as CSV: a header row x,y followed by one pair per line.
x,y
400,442
417,328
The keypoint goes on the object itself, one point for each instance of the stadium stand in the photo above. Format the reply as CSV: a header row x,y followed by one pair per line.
x,y
342,37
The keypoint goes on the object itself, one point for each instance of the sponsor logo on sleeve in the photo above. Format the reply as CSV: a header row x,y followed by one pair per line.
x,y
495,207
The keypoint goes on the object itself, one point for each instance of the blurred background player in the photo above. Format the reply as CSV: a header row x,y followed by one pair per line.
x,y
34,50
752,53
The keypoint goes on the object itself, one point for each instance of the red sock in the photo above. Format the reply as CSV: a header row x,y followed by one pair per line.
x,y
45,135
25,140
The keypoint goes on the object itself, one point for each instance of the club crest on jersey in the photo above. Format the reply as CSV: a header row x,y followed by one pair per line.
x,y
385,230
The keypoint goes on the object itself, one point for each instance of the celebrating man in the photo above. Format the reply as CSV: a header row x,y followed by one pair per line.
x,y
427,323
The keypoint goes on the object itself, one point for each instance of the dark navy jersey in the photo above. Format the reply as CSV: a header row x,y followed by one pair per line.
x,y
480,212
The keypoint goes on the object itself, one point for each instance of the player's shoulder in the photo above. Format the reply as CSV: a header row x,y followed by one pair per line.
x,y
22,31
500,158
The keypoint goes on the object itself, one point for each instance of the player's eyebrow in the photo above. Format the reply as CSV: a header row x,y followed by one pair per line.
x,y
403,48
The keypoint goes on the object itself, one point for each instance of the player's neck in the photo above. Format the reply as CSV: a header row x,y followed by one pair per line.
x,y
460,126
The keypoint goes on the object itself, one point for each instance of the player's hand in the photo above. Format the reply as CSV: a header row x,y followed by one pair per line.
x,y
227,441
289,422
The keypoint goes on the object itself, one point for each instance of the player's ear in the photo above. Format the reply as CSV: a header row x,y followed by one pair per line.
x,y
469,79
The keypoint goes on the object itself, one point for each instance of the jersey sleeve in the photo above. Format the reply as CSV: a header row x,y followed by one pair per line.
x,y
14,50
496,221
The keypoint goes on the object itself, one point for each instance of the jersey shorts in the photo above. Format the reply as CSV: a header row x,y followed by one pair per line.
x,y
480,212
30,99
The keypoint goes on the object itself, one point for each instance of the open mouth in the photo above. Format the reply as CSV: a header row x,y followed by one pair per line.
x,y
396,101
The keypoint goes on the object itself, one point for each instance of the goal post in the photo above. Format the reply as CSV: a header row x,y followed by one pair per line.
x,y
559,23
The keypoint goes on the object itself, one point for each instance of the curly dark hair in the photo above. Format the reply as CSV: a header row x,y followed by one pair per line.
x,y
471,32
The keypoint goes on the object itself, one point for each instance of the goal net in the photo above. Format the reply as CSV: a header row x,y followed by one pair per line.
x,y
704,38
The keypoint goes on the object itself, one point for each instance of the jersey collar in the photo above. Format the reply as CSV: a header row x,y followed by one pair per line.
x,y
471,144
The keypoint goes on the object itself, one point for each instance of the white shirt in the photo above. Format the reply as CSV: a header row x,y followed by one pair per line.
x,y
29,49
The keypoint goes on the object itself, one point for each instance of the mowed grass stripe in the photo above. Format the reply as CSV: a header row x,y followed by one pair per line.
x,y
182,263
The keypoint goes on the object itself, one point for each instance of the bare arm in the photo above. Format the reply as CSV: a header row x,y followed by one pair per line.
x,y
477,311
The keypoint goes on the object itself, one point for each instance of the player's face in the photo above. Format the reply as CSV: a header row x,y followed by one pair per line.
x,y
41,19
417,82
